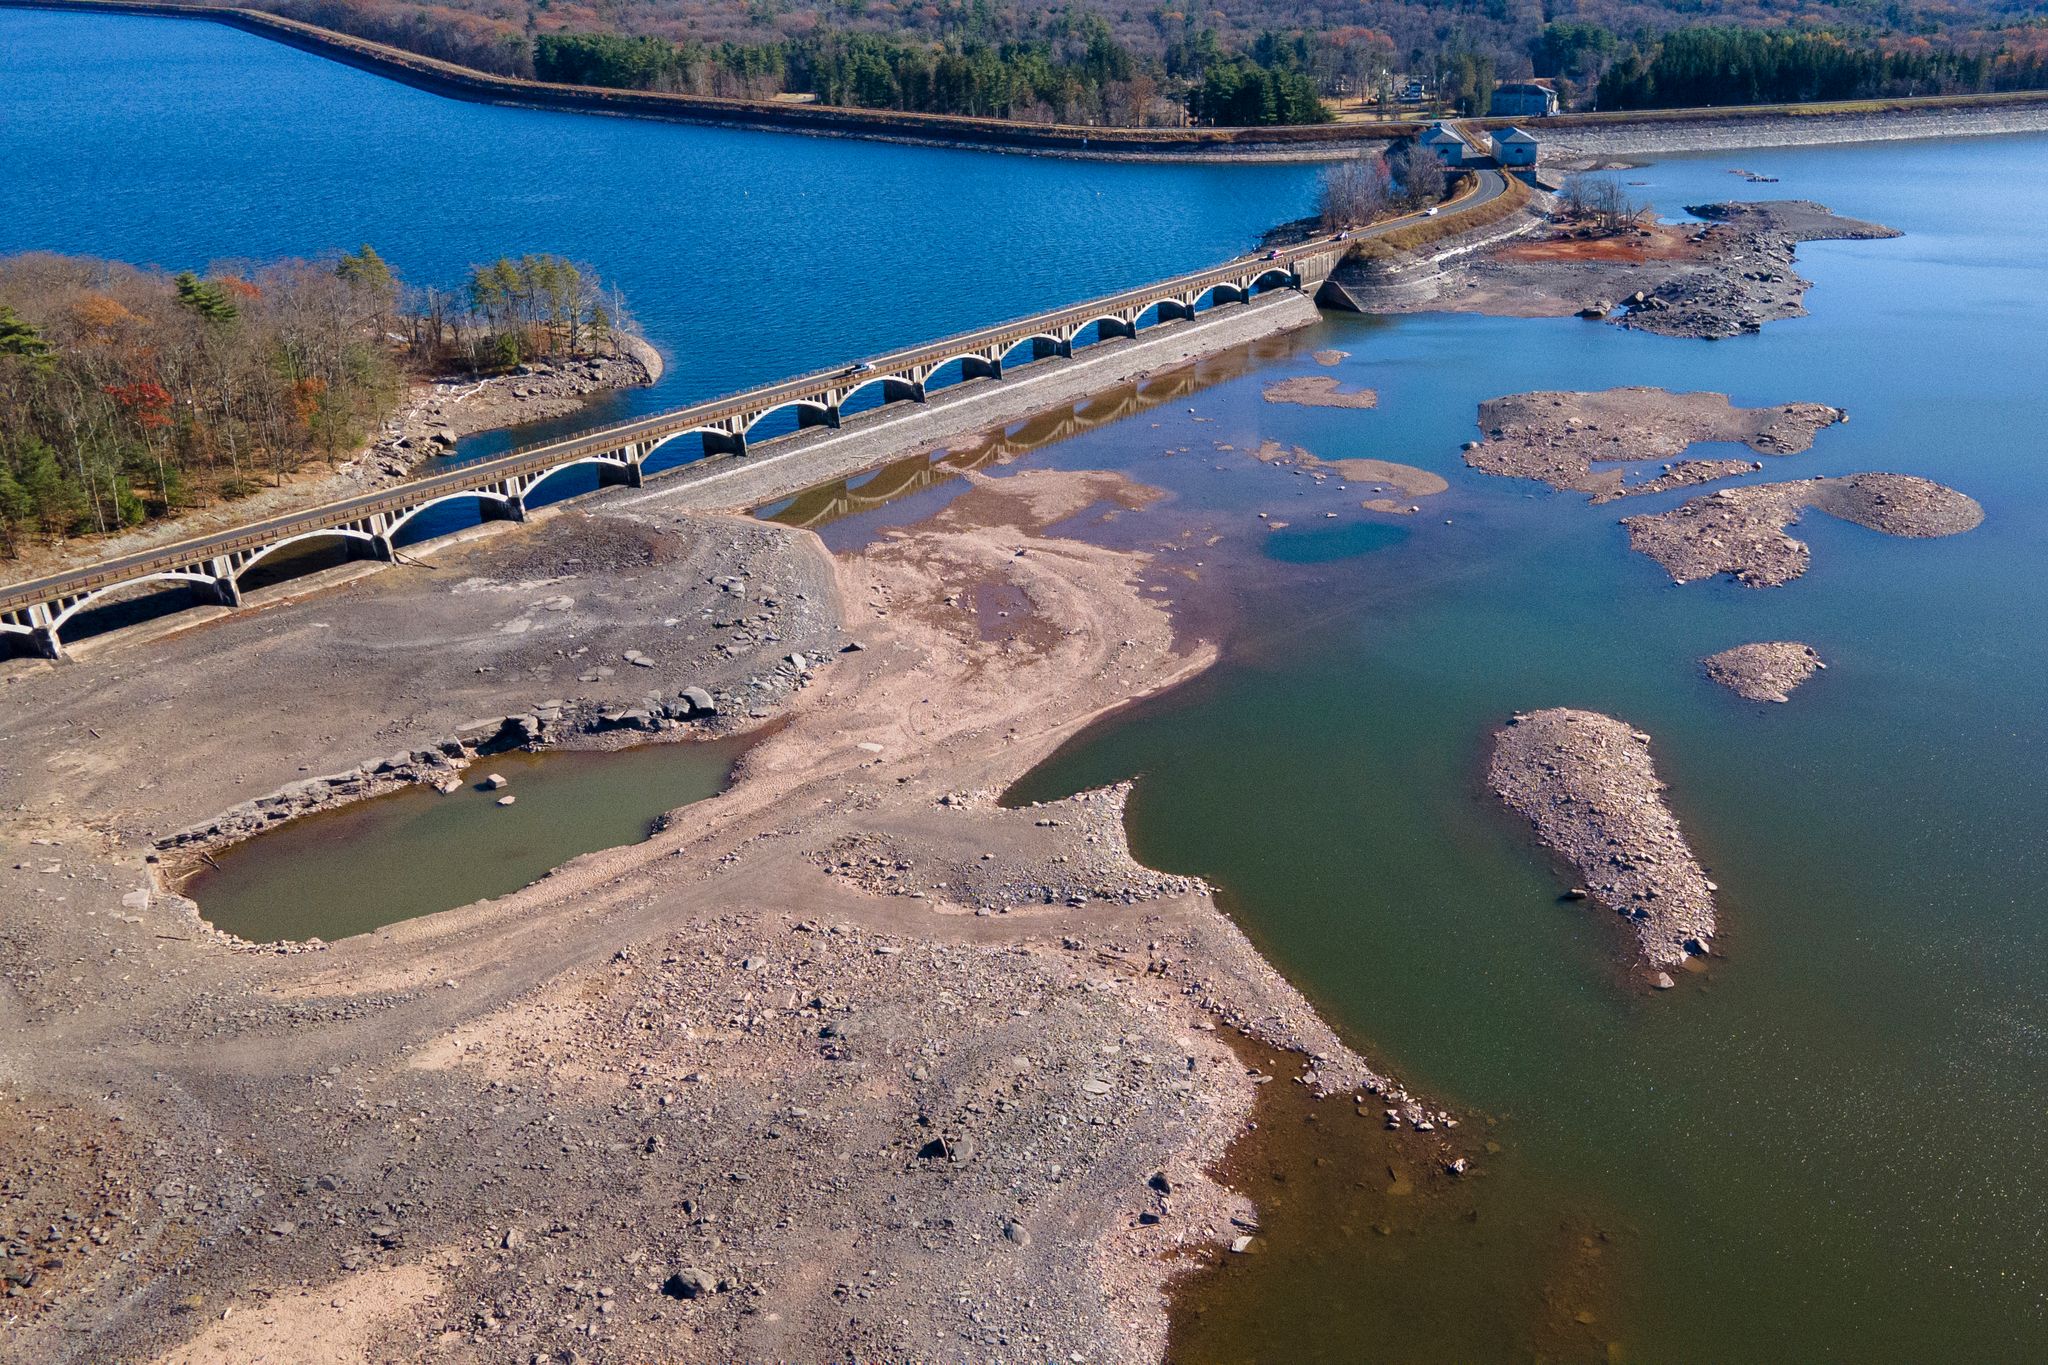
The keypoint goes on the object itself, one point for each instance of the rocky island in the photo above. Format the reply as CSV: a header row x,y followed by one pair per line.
x,y
1587,784
1769,670
1561,438
1741,531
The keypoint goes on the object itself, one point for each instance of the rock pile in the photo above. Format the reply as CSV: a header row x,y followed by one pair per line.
x,y
1586,782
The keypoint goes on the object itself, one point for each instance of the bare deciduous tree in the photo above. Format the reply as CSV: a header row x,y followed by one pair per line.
x,y
1355,192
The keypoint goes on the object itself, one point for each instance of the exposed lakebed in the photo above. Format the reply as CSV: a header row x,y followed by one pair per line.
x,y
1824,1143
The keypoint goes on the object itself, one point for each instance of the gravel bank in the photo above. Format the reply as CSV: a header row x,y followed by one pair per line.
x,y
1741,531
706,1097
1559,438
1587,784
1766,671
1729,277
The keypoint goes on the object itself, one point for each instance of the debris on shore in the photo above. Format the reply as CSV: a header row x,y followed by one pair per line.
x,y
1750,280
1741,531
1559,438
1587,783
1768,670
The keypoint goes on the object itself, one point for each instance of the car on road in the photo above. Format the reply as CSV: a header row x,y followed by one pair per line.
x,y
1431,211
860,367
1274,254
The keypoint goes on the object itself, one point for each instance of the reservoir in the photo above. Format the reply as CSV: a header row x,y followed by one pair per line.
x,y
1825,1145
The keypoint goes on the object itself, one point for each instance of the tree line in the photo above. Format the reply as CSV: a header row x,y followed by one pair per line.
x,y
1720,65
1233,60
130,393
1078,72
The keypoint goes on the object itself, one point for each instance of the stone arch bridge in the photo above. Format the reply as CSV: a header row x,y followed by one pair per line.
x,y
35,614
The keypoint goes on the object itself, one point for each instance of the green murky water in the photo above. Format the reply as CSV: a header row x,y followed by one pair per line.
x,y
1826,1145
414,851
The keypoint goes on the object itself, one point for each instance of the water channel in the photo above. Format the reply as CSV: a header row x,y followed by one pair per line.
x,y
1825,1146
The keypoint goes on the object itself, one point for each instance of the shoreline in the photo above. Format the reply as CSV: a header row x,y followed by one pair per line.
x,y
792,464
390,455
1578,134
741,868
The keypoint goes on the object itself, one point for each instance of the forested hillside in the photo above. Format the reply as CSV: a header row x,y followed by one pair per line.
x,y
1235,62
128,393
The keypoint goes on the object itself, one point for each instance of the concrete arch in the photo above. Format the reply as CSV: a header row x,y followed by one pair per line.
x,y
970,363
716,433
885,380
1117,326
482,495
802,405
1046,337
167,576
602,462
345,532
1285,273
1220,292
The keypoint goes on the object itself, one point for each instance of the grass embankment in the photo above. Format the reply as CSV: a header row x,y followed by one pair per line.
x,y
1450,223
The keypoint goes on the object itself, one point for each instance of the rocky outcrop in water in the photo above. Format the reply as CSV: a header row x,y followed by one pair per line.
x,y
1586,782
1559,438
1769,670
1741,531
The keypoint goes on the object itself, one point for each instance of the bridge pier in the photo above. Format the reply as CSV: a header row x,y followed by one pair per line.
x,y
621,475
226,591
506,507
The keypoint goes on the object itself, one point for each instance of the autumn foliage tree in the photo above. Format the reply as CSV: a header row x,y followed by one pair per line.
x,y
127,394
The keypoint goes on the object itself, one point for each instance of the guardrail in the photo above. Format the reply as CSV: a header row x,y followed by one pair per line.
x,y
468,473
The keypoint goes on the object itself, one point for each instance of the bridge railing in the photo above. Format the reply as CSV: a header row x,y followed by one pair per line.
x,y
464,475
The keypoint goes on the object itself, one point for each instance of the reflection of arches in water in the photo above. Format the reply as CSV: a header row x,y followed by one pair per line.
x,y
870,491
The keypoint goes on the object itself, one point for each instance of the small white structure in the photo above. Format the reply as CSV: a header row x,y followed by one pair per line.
x,y
1514,147
1442,139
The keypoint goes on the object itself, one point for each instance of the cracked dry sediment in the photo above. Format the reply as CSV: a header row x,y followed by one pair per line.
x,y
1768,670
878,1125
1741,531
1561,438
1587,784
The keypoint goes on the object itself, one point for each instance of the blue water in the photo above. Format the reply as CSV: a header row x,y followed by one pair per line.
x,y
1828,1145
747,257
1825,1147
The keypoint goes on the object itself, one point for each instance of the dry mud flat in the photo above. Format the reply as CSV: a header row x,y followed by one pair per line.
x,y
1587,783
1741,531
1769,670
720,1095
1729,277
1320,391
1379,477
1560,438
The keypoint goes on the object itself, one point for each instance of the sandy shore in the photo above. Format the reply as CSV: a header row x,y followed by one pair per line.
x,y
1587,784
1741,531
731,1093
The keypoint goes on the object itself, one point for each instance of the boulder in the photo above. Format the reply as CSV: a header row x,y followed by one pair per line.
x,y
689,1283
